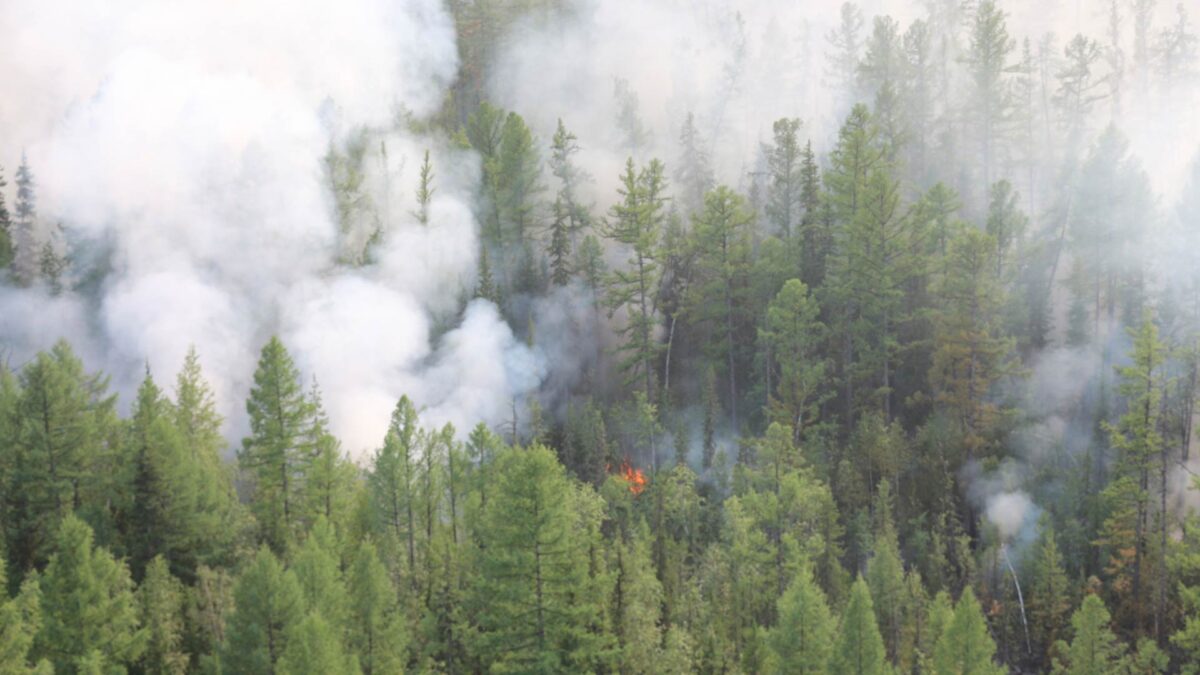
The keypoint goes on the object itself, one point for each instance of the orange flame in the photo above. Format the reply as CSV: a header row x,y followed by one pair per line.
x,y
635,477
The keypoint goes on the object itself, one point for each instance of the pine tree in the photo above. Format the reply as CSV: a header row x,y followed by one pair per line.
x,y
1094,649
577,216
801,640
375,624
858,649
885,575
268,604
216,520
964,646
160,599
280,416
88,607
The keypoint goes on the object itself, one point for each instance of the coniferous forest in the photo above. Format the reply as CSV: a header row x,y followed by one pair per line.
x,y
588,336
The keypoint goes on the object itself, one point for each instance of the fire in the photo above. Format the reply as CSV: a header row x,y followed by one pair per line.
x,y
633,476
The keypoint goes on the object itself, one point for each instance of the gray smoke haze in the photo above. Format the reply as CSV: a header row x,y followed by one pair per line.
x,y
190,136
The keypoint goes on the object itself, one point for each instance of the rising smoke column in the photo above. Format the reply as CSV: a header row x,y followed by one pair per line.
x,y
186,138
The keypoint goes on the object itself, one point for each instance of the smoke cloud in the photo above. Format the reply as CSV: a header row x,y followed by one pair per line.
x,y
189,137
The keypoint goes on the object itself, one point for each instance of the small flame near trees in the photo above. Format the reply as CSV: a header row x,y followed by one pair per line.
x,y
633,476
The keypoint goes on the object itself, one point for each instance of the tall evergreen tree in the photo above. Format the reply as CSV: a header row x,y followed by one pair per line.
x,y
25,240
965,647
1094,649
268,606
534,609
636,224
801,640
280,416
90,614
858,649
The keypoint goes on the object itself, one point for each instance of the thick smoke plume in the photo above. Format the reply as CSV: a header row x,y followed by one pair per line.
x,y
187,137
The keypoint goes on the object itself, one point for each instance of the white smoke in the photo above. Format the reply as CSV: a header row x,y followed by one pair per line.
x,y
190,135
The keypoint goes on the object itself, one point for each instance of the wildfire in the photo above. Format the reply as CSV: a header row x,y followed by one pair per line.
x,y
633,476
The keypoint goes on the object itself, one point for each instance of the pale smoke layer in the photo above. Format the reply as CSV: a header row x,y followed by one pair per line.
x,y
188,136
1009,512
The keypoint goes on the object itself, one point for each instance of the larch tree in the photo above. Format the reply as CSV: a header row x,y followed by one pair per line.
x,y
62,423
802,638
964,646
161,601
793,337
722,234
280,418
785,164
635,223
1094,649
89,611
534,610
268,604
25,240
376,632
987,64
858,649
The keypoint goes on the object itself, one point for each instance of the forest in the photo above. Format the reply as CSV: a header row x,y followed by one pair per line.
x,y
581,336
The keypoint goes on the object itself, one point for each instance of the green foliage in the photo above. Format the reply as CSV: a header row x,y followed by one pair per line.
x,y
964,646
89,612
160,599
280,418
268,607
534,597
1094,649
802,637
859,648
